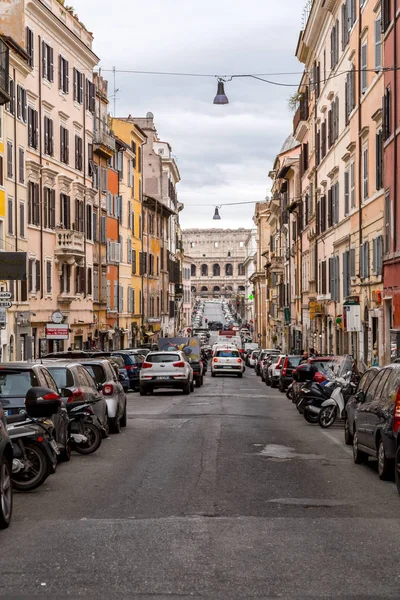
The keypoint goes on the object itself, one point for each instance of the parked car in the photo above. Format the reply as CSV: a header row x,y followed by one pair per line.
x,y
77,386
353,403
269,360
253,358
225,361
133,364
274,370
377,423
166,370
198,371
16,378
290,362
103,373
6,459
261,357
119,365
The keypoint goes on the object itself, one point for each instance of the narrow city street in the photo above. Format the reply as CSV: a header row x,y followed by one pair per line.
x,y
226,493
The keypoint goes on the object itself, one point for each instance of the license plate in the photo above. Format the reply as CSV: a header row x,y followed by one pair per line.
x,y
162,377
7,412
54,445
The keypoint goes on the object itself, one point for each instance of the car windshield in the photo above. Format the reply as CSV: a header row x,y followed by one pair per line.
x,y
62,376
167,357
16,383
97,372
228,353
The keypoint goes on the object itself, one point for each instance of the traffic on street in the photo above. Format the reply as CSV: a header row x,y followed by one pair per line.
x,y
213,493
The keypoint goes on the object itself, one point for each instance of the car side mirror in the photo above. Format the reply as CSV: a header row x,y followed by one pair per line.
x,y
361,396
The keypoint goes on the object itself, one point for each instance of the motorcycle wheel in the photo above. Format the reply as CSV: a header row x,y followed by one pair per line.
x,y
327,417
93,434
309,417
37,471
289,394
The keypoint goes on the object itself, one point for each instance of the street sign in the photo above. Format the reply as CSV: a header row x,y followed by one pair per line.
x,y
5,295
5,303
57,332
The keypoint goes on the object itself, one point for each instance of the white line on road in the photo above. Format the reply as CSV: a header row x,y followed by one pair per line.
x,y
337,442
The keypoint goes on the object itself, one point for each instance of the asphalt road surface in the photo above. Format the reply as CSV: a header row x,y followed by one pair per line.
x,y
227,493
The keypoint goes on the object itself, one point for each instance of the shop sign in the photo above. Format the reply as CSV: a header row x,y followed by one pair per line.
x,y
352,314
57,331
316,309
13,266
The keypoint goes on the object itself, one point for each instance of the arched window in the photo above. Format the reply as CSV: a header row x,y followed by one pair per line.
x,y
229,288
216,288
216,270
193,288
204,288
204,270
241,270
241,288
193,270
228,270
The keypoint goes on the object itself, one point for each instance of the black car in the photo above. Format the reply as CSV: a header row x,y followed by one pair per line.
x,y
377,423
353,403
16,378
6,459
133,364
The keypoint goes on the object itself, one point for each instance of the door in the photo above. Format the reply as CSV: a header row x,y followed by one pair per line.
x,y
374,415
363,386
362,413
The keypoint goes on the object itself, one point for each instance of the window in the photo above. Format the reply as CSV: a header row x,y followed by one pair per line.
x,y
21,165
333,205
89,281
387,114
350,92
104,180
346,274
95,285
49,208
30,46
63,70
335,45
21,104
365,172
379,160
322,277
78,86
10,216
215,244
33,276
95,221
388,223
345,25
48,277
33,128
346,192
1,172
90,96
79,215
64,145
65,211
385,14
377,255
22,219
334,285
65,279
10,162
352,185
47,62
89,221
134,261
378,43
364,72
80,280
78,153
11,92
103,229
48,136
364,260
33,204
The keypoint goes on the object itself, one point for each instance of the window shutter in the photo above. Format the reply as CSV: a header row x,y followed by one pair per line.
x,y
379,255
120,207
324,277
317,218
337,279
346,192
366,259
38,275
52,209
331,278
378,44
352,262
121,299
51,64
330,216
362,273
364,76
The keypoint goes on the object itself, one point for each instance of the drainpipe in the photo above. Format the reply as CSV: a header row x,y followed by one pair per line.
x,y
360,150
394,104
118,233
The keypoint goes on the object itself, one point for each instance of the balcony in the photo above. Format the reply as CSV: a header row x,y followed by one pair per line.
x,y
4,73
276,263
104,144
69,244
66,298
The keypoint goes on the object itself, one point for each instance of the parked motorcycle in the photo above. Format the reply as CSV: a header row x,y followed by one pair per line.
x,y
312,396
35,450
85,429
289,392
334,407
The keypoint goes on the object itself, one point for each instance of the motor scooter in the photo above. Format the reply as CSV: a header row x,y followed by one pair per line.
x,y
85,429
312,396
334,407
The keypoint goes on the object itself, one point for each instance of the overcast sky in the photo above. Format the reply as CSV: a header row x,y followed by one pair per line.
x,y
224,153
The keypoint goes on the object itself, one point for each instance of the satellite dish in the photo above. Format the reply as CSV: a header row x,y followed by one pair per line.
x,y
149,115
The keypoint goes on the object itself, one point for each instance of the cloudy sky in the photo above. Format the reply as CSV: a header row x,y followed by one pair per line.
x,y
224,153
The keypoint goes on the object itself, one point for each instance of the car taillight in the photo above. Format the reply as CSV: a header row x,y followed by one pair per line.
x,y
131,367
239,360
396,415
284,371
77,396
179,364
279,362
215,360
319,377
108,389
147,365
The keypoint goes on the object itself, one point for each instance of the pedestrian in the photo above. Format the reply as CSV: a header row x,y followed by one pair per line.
x,y
305,357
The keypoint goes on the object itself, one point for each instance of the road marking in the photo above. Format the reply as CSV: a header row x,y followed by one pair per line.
x,y
337,442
